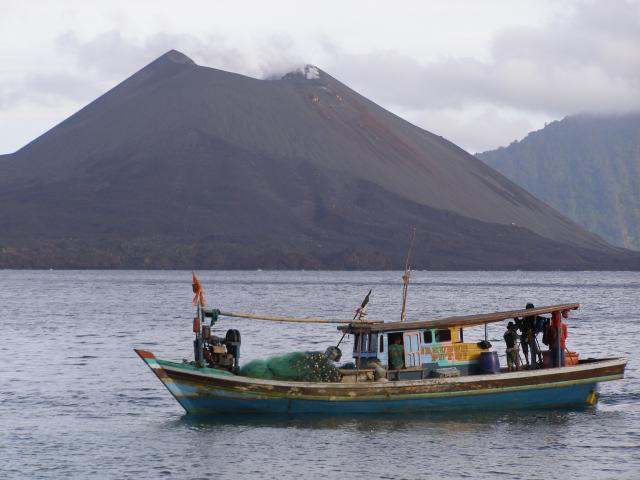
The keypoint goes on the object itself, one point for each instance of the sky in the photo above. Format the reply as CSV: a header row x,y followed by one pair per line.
x,y
481,73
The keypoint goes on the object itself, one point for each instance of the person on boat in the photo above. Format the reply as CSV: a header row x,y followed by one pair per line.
x,y
525,335
396,354
552,329
535,322
511,338
529,341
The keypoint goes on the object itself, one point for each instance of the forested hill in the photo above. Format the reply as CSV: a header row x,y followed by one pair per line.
x,y
588,167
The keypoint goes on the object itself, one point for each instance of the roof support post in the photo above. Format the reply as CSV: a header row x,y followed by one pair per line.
x,y
557,324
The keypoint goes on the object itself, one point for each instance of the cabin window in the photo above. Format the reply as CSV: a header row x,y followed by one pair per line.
x,y
357,343
365,342
381,344
373,342
443,335
461,335
427,336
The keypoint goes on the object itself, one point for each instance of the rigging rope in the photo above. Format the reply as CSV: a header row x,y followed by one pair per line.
x,y
272,318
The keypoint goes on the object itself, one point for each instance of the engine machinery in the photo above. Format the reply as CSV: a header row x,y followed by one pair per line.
x,y
213,351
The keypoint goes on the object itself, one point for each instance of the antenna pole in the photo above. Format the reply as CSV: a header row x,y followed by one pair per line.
x,y
405,278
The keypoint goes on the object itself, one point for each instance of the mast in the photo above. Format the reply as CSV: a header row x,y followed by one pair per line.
x,y
405,278
198,300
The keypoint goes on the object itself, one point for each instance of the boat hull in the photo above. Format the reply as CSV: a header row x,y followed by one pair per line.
x,y
211,392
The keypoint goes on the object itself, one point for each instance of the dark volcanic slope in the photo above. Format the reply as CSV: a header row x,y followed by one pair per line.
x,y
588,167
182,165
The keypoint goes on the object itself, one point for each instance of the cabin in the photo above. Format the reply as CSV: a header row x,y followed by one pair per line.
x,y
430,348
427,352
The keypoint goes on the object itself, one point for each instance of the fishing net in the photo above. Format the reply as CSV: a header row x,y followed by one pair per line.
x,y
295,366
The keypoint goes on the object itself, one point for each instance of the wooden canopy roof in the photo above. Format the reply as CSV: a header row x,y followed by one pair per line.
x,y
457,321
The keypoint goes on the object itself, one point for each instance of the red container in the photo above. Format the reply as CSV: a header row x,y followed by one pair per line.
x,y
570,358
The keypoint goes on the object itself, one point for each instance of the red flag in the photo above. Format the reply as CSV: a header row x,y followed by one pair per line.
x,y
197,290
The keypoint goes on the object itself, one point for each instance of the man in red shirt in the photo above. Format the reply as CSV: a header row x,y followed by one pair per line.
x,y
554,342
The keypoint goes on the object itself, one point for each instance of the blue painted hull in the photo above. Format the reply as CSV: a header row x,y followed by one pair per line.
x,y
574,396
205,391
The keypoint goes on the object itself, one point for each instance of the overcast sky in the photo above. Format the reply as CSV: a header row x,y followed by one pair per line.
x,y
480,73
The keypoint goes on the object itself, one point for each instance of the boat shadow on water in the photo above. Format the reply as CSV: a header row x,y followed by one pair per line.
x,y
451,421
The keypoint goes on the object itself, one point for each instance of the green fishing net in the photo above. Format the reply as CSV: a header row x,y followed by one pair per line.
x,y
295,366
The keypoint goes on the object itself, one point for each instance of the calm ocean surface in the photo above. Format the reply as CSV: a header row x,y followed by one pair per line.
x,y
76,401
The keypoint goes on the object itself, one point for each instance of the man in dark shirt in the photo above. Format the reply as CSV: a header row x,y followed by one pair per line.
x,y
528,327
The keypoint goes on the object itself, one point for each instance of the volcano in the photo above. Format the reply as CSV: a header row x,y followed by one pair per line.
x,y
184,166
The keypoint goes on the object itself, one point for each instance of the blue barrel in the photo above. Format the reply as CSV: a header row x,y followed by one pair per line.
x,y
489,362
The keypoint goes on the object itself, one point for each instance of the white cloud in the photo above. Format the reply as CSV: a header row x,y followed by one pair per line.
x,y
479,73
579,63
477,127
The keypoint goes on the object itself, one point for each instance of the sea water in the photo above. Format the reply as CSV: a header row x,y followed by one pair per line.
x,y
77,402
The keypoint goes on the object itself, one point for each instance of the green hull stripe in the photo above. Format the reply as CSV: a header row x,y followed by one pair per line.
x,y
191,368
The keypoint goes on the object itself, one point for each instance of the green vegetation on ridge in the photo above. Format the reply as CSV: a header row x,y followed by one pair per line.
x,y
588,167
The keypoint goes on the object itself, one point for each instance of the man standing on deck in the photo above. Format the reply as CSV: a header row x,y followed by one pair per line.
x,y
552,329
396,354
528,328
511,338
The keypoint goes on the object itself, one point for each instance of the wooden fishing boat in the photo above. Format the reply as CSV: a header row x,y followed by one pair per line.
x,y
439,371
